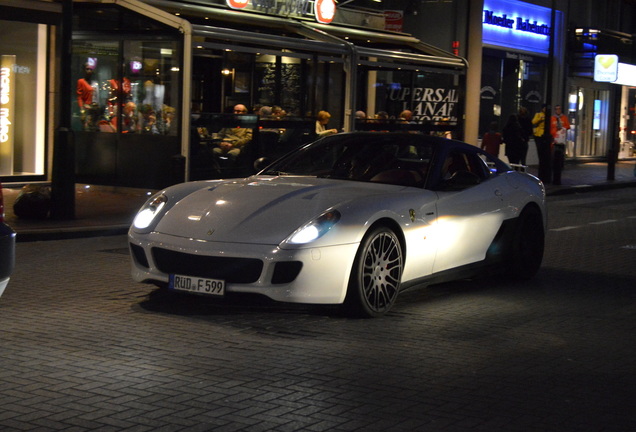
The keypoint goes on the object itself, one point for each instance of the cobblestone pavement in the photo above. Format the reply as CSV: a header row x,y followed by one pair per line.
x,y
83,348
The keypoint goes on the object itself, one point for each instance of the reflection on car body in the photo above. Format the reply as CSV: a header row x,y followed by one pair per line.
x,y
350,219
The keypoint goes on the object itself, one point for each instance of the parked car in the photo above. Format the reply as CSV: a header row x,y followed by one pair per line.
x,y
7,248
350,219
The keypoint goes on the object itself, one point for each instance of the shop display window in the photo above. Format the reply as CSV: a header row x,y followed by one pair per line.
x,y
22,98
127,87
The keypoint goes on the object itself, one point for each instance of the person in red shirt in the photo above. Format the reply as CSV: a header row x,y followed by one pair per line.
x,y
559,125
491,141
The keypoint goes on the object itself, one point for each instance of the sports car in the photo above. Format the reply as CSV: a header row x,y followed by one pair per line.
x,y
350,219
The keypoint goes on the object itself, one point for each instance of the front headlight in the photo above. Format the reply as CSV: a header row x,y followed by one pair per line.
x,y
149,212
315,229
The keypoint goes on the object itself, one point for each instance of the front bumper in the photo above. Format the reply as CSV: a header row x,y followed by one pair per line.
x,y
311,275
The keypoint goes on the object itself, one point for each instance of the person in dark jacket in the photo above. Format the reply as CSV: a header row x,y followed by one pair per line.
x,y
516,146
527,129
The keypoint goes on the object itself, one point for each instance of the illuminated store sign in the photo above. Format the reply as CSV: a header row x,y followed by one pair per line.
x,y
516,25
626,75
237,4
607,68
324,11
7,104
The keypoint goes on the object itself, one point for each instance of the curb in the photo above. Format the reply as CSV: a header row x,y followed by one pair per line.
x,y
69,233
574,189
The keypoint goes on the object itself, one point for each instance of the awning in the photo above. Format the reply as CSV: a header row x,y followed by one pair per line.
x,y
406,51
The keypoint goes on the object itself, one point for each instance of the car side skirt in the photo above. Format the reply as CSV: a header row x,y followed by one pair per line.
x,y
493,264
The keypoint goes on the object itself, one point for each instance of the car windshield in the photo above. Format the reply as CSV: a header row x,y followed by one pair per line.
x,y
401,159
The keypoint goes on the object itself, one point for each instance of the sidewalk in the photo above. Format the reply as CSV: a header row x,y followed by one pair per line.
x,y
106,210
99,210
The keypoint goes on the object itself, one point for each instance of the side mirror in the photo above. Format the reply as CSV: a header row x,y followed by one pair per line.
x,y
261,163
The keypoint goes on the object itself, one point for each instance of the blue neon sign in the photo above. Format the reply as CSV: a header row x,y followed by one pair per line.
x,y
516,25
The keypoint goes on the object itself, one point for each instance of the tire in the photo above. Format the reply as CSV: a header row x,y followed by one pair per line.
x,y
528,242
375,278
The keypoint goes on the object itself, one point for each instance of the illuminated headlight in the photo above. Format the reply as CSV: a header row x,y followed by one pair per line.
x,y
149,212
315,229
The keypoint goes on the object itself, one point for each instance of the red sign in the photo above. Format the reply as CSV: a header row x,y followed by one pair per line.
x,y
394,20
236,4
325,11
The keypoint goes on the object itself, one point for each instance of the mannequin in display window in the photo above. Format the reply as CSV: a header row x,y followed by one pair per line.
x,y
87,98
115,91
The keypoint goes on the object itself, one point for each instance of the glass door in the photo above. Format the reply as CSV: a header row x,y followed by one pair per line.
x,y
588,114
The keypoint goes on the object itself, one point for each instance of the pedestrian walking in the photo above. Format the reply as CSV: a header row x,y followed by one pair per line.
x,y
543,144
513,138
559,125
526,130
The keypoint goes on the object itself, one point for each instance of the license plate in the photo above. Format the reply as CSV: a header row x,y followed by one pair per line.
x,y
197,285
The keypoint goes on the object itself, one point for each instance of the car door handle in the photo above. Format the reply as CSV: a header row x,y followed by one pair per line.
x,y
498,192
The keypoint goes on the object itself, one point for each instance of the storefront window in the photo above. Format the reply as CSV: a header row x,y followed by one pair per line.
x,y
298,84
282,91
629,147
253,80
328,90
22,98
588,114
507,84
126,87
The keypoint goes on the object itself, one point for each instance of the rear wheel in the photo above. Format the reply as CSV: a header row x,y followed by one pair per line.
x,y
374,283
527,245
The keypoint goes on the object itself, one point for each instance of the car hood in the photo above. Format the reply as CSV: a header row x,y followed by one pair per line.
x,y
263,210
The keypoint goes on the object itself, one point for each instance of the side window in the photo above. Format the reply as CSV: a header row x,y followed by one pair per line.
x,y
478,167
455,162
461,170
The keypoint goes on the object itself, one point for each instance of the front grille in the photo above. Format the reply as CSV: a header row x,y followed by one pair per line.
x,y
231,270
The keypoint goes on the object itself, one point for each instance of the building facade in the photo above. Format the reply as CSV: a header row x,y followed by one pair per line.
x,y
152,82
148,75
516,64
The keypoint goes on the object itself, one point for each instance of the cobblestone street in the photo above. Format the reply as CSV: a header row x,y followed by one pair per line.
x,y
84,348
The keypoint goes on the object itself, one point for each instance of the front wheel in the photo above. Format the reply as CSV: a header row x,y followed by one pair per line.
x,y
377,270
